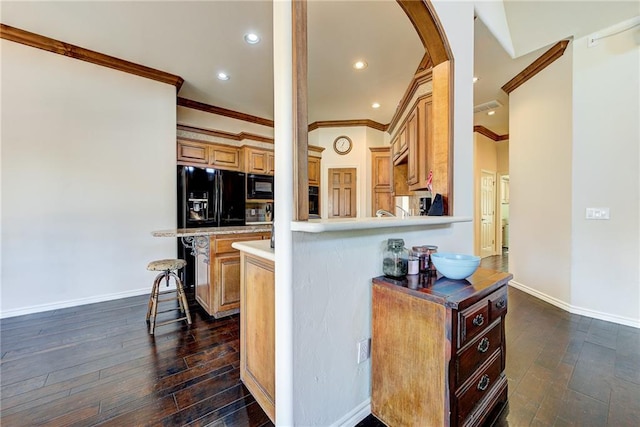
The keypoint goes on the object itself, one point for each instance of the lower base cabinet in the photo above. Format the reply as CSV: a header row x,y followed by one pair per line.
x,y
218,283
438,350
257,331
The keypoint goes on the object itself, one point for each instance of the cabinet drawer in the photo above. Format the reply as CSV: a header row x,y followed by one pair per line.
x,y
498,303
479,386
476,352
473,321
223,244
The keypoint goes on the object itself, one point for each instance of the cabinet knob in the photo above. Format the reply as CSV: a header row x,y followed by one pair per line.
x,y
483,383
484,345
501,303
478,320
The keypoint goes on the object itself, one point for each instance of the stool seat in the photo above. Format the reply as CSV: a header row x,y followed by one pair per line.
x,y
166,264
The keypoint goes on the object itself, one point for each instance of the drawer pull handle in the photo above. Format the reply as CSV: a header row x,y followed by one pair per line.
x,y
478,320
501,303
484,382
484,345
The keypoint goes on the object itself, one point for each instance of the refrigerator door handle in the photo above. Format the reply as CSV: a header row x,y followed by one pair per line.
x,y
220,197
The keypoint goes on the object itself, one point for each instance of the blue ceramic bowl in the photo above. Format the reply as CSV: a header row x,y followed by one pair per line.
x,y
455,266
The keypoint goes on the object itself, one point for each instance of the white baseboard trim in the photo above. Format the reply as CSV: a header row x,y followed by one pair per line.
x,y
627,321
72,303
356,415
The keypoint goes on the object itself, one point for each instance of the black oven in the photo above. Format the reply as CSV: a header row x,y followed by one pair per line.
x,y
259,186
314,200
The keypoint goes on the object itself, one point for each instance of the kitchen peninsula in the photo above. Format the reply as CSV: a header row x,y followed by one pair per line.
x,y
217,263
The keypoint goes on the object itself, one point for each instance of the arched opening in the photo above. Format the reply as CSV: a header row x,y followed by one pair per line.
x,y
437,57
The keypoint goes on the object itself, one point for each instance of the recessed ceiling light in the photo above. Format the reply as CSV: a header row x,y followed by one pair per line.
x,y
223,76
475,79
491,113
375,105
251,38
360,65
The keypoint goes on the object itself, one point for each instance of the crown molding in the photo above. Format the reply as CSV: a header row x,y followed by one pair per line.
x,y
490,134
189,103
536,66
66,49
347,123
228,135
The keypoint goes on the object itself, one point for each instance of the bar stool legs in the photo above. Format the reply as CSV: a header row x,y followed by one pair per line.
x,y
166,268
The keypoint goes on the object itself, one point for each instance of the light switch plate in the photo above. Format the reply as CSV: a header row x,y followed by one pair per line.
x,y
597,213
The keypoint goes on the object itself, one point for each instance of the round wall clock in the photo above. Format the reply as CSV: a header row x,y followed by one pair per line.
x,y
342,145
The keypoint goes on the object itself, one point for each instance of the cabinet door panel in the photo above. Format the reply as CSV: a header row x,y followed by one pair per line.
x,y
225,157
192,152
228,267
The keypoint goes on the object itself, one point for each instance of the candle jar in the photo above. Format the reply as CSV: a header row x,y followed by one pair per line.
x,y
395,261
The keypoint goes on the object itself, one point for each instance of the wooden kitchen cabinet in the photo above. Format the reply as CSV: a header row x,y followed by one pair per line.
x,y
381,179
257,331
259,161
438,349
192,153
399,145
218,287
313,170
422,152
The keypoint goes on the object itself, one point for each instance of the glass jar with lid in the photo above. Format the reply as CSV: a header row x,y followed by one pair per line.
x,y
395,259
424,257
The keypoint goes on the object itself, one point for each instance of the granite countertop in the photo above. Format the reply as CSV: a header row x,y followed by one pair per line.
x,y
449,292
259,248
212,231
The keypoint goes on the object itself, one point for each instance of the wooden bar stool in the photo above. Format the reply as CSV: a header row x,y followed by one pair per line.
x,y
167,268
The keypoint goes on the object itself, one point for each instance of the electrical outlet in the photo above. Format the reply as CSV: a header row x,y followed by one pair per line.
x,y
364,350
597,213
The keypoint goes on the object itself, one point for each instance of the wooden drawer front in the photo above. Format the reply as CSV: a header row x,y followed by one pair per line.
x,y
498,303
223,244
479,386
476,352
473,321
225,157
192,152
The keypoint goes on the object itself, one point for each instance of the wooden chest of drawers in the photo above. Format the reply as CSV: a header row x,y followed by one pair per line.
x,y
438,349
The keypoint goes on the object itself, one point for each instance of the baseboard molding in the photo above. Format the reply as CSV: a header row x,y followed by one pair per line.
x,y
72,303
354,416
627,321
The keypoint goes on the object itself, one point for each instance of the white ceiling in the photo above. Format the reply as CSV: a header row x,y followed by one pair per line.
x,y
196,39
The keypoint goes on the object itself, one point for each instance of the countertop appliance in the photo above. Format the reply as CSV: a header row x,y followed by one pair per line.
x,y
207,198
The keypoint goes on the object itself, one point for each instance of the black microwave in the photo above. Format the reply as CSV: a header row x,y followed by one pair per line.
x,y
259,186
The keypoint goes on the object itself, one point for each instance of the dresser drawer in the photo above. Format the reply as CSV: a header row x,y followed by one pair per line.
x,y
478,386
477,351
473,321
498,303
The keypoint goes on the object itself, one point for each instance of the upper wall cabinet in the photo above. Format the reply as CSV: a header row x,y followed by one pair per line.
x,y
413,144
259,161
216,155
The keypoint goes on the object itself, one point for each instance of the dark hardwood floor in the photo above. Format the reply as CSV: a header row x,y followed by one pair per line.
x,y
96,364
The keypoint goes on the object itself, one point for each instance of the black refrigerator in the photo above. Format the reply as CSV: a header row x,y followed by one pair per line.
x,y
208,198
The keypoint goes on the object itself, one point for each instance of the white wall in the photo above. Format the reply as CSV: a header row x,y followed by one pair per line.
x,y
88,160
540,154
332,272
605,278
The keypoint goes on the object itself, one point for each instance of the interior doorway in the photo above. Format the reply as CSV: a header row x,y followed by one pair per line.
x,y
342,192
487,213
504,212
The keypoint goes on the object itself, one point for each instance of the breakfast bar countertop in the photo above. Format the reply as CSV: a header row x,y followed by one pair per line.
x,y
212,231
